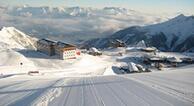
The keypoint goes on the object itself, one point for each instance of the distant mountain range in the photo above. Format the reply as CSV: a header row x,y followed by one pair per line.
x,y
61,12
176,34
73,24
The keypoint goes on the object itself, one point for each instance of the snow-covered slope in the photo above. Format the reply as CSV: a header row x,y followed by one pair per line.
x,y
164,89
176,34
16,47
12,42
180,26
10,37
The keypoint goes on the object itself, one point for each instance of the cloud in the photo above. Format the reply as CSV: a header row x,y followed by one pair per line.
x,y
60,24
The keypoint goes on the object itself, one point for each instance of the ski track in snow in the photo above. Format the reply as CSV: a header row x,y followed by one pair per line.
x,y
180,89
120,90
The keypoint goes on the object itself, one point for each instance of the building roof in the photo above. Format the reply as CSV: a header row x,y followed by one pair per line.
x,y
156,59
174,59
149,49
47,41
56,43
64,45
93,49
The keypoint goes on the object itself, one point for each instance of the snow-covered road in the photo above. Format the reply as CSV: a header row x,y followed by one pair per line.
x,y
157,88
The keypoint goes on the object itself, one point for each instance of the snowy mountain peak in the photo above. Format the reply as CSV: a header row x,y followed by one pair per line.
x,y
180,16
11,37
12,31
118,10
61,12
180,26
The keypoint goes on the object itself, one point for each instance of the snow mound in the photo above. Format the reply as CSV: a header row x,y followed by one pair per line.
x,y
10,37
109,71
90,64
10,57
11,62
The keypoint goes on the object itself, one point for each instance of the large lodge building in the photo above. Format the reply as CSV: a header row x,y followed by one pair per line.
x,y
63,50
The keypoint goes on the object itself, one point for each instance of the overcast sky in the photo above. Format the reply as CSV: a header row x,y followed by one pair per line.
x,y
150,6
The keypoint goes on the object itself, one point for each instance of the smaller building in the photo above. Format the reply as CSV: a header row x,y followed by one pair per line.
x,y
117,43
174,61
157,59
154,59
187,60
46,46
95,52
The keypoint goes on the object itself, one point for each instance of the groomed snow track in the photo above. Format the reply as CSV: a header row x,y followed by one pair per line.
x,y
120,90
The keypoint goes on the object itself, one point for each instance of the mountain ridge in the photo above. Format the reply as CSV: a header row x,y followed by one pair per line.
x,y
70,22
172,35
12,38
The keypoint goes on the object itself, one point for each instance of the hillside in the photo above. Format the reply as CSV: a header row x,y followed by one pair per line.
x,y
13,38
17,47
175,34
